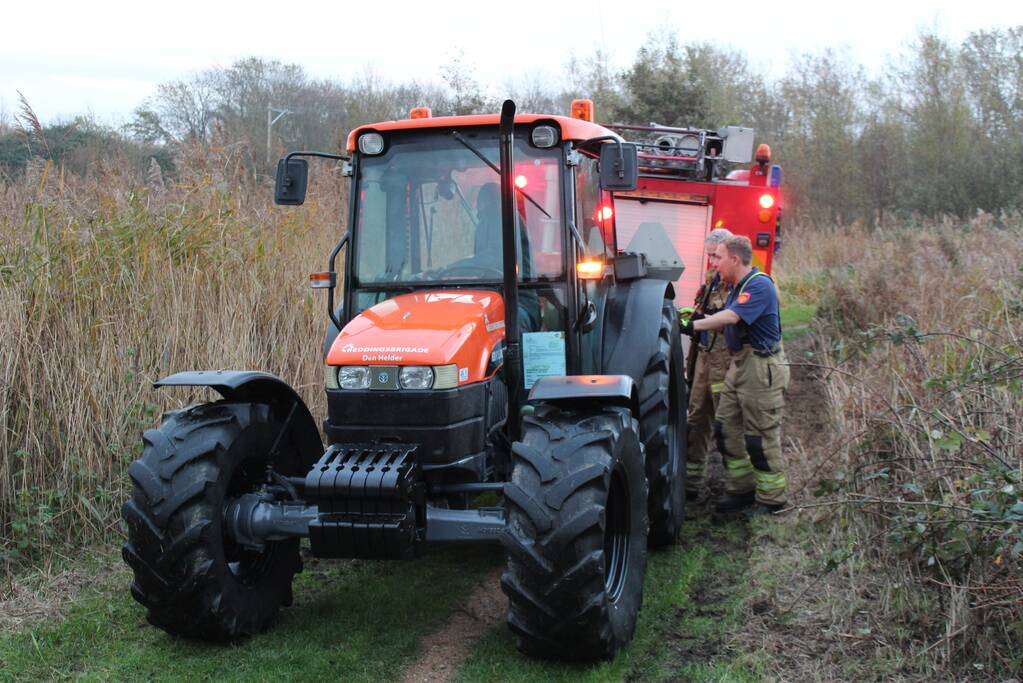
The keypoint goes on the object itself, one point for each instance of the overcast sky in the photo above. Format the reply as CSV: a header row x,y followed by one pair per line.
x,y
105,57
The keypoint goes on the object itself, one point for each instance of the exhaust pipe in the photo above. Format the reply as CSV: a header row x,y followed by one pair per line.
x,y
513,335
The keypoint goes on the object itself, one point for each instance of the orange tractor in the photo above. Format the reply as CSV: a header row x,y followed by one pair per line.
x,y
489,338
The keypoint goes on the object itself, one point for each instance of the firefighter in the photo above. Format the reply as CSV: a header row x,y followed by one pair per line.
x,y
709,373
747,425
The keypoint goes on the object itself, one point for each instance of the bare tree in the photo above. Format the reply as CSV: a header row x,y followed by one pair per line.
x,y
467,96
823,117
532,93
594,77
930,90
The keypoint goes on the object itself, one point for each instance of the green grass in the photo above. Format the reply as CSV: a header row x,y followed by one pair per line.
x,y
799,297
363,621
796,316
353,621
693,599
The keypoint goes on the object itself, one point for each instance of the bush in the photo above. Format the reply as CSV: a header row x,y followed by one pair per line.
x,y
924,344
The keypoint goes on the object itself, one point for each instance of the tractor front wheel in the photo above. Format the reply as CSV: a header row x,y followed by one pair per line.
x,y
194,580
576,534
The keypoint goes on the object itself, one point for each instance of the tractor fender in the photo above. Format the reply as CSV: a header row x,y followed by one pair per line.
x,y
617,390
632,323
252,386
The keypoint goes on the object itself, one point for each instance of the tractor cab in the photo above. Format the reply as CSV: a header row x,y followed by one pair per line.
x,y
428,210
426,218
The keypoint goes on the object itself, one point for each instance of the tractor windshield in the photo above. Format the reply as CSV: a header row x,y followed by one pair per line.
x,y
429,210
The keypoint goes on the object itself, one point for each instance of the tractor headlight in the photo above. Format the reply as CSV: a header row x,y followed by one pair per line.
x,y
353,377
371,143
416,377
545,136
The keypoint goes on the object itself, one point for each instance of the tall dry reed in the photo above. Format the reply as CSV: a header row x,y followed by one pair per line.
x,y
110,281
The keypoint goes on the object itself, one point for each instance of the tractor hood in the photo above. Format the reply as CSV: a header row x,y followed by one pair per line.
x,y
460,327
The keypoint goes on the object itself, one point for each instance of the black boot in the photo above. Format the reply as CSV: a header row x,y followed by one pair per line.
x,y
734,502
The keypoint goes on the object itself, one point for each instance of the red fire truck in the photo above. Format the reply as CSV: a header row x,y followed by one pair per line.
x,y
690,182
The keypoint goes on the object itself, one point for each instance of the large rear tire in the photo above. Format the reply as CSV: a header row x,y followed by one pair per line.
x,y
663,403
576,535
189,574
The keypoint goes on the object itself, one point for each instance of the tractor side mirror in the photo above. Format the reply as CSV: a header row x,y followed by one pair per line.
x,y
292,179
619,166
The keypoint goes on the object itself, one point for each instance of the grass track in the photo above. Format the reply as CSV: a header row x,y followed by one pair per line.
x,y
363,621
353,621
693,601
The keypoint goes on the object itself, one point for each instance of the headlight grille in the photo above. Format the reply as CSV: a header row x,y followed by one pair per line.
x,y
411,377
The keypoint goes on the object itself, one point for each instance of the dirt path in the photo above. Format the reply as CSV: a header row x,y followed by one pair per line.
x,y
805,430
700,628
445,648
806,426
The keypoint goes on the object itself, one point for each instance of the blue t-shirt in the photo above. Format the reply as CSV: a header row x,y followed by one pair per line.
x,y
755,301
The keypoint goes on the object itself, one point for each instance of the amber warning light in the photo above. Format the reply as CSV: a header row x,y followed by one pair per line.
x,y
582,109
322,280
590,269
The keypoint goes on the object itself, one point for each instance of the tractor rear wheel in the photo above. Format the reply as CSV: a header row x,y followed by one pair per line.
x,y
194,580
576,534
663,404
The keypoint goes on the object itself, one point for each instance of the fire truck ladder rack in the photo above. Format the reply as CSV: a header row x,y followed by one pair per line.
x,y
686,152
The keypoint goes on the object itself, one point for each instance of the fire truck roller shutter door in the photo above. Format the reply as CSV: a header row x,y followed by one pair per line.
x,y
686,227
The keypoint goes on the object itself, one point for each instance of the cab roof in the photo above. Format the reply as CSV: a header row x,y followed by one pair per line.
x,y
571,128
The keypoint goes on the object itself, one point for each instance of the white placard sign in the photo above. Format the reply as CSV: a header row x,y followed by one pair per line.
x,y
543,354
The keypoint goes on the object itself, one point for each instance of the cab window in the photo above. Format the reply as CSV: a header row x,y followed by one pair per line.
x,y
593,214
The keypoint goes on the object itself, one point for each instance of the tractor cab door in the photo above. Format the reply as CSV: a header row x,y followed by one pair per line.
x,y
595,221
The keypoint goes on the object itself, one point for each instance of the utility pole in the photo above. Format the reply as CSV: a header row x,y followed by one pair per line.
x,y
270,121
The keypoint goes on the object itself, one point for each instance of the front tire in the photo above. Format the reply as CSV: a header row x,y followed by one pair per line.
x,y
576,535
189,574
